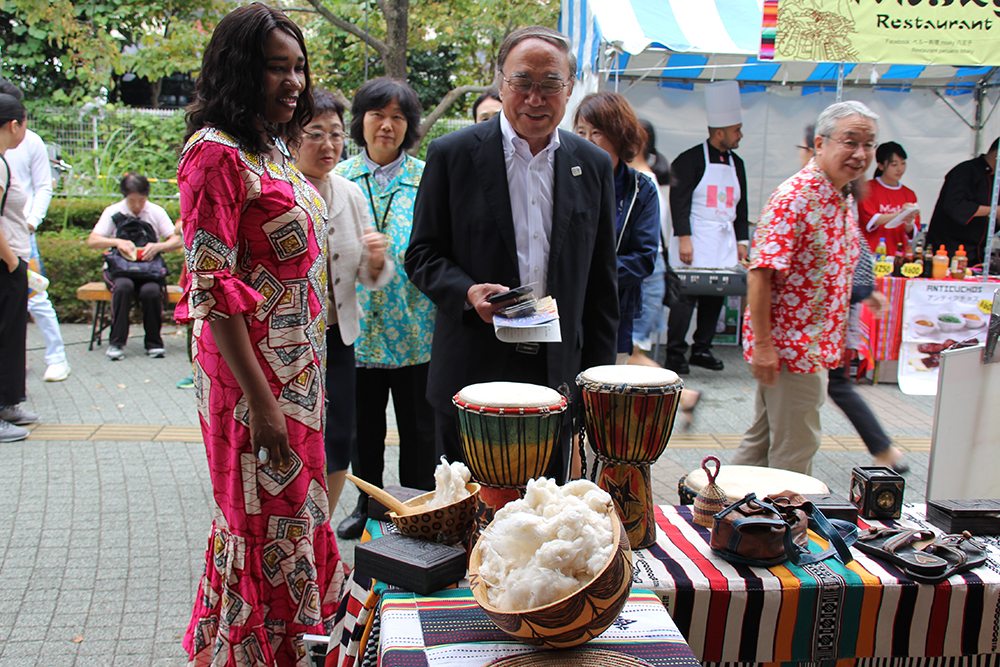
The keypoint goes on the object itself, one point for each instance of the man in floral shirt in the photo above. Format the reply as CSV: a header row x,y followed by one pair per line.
x,y
799,288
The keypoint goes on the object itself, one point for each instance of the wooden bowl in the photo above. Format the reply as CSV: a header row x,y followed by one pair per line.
x,y
449,524
578,617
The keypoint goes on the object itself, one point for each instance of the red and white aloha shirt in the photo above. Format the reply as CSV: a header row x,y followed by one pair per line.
x,y
807,233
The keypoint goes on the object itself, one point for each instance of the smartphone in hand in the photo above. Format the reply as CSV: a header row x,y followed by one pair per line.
x,y
515,293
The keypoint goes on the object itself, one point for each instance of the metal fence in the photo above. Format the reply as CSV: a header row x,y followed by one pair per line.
x,y
79,131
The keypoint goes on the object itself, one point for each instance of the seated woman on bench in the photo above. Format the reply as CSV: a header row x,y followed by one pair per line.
x,y
117,229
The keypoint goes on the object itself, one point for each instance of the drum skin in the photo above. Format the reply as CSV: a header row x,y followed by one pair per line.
x,y
738,480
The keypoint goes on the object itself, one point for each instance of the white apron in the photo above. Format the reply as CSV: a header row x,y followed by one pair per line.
x,y
713,211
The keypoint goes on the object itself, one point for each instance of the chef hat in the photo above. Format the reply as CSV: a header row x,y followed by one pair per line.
x,y
722,102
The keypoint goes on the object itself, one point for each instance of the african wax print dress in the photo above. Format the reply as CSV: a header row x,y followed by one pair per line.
x,y
255,235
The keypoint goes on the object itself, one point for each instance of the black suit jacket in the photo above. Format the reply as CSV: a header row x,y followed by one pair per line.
x,y
463,234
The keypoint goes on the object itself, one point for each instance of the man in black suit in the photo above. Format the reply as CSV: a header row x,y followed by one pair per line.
x,y
509,202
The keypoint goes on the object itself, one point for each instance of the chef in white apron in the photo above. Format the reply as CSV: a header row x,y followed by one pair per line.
x,y
714,216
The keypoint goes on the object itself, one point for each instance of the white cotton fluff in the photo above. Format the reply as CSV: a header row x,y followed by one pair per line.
x,y
449,483
547,545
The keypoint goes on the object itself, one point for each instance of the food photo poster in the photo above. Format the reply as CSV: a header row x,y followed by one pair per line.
x,y
937,315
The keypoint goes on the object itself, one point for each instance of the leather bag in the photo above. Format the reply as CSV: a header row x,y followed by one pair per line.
x,y
768,531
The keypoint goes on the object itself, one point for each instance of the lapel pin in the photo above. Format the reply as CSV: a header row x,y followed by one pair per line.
x,y
576,171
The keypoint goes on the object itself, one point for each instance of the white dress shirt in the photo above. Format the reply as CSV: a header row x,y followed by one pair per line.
x,y
530,182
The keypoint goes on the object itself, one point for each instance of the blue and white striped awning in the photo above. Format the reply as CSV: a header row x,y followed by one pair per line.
x,y
687,41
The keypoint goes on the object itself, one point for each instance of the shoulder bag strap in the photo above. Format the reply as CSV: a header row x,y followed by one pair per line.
x,y
6,188
840,534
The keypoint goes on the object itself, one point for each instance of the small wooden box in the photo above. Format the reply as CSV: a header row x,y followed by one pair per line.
x,y
415,565
834,507
979,517
877,492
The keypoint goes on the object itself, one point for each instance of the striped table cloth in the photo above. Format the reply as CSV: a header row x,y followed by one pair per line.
x,y
818,612
448,629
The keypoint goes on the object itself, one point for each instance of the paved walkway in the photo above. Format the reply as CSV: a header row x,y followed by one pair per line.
x,y
109,502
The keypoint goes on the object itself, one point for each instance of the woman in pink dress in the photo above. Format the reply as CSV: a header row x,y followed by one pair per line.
x,y
256,237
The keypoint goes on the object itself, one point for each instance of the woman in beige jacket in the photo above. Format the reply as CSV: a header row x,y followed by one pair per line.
x,y
356,253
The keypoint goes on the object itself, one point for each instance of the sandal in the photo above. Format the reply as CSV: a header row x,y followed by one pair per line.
x,y
961,553
904,548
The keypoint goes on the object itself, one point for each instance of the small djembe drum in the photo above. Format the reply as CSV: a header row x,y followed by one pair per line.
x,y
629,415
509,431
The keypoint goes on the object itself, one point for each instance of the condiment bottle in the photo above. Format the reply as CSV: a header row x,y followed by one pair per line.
x,y
880,248
928,263
958,263
940,264
898,260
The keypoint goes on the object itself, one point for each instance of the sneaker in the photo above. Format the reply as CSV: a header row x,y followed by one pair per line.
x,y
15,415
11,433
186,383
156,352
56,372
115,353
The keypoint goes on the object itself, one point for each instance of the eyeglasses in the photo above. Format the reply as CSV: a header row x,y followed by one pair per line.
x,y
523,85
319,136
853,146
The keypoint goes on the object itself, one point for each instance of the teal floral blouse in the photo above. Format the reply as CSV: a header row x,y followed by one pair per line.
x,y
398,321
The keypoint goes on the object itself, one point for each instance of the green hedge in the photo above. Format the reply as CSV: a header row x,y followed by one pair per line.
x,y
83,213
69,263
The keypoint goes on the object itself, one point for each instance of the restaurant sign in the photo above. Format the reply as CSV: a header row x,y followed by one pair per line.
x,y
951,32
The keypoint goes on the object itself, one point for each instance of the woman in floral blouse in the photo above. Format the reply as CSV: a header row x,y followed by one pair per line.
x,y
394,349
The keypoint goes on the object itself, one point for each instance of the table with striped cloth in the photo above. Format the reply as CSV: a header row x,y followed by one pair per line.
x,y
820,612
448,629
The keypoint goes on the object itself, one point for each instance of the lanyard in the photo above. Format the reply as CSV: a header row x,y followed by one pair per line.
x,y
379,226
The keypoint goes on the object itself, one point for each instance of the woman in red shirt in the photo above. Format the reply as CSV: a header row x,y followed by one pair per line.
x,y
886,198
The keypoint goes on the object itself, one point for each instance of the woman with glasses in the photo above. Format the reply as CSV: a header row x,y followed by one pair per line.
x,y
393,349
256,244
886,198
356,252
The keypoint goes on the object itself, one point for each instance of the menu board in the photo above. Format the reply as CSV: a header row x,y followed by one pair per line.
x,y
937,315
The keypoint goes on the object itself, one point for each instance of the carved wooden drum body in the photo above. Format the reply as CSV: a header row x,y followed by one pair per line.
x,y
630,412
509,431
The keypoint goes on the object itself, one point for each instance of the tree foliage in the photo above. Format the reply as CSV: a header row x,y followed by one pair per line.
x,y
70,49
67,50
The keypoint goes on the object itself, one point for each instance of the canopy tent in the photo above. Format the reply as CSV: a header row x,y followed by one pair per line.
x,y
659,54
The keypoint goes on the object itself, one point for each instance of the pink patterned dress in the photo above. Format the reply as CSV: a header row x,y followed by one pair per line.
x,y
255,233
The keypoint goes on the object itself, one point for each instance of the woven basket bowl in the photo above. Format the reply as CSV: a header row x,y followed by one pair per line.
x,y
449,524
575,619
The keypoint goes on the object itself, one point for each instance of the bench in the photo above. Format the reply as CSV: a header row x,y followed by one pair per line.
x,y
101,296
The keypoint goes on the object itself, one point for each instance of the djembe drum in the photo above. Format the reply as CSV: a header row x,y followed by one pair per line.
x,y
509,431
629,415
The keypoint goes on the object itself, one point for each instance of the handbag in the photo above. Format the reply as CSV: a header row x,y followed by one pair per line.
x,y
768,531
140,233
120,267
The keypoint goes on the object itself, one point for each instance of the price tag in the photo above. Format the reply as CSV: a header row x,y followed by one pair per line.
x,y
883,269
986,305
912,270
